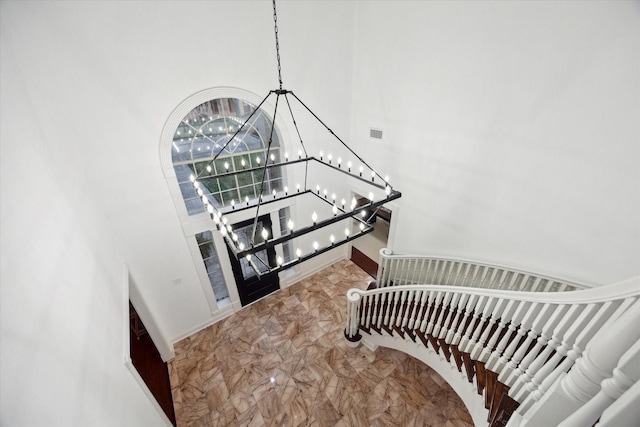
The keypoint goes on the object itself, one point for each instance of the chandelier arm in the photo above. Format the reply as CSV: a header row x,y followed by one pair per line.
x,y
354,212
254,267
305,230
373,214
338,138
271,166
263,262
264,173
235,134
359,178
304,149
295,125
315,253
240,208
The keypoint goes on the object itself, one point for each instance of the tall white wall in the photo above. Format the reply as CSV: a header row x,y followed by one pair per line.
x,y
63,295
86,89
513,128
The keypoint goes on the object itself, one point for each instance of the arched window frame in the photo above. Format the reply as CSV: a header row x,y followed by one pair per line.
x,y
201,222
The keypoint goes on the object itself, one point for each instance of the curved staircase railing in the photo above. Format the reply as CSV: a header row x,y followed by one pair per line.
x,y
515,345
396,270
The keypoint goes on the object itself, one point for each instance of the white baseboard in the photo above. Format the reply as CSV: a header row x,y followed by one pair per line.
x,y
215,317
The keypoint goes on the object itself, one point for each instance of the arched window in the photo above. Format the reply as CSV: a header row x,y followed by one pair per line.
x,y
204,127
205,133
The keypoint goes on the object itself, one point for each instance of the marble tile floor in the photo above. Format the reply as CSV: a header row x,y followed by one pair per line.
x,y
283,361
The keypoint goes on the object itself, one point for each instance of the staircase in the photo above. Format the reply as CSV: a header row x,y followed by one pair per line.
x,y
519,348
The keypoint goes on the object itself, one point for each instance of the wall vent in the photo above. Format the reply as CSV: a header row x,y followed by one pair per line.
x,y
375,133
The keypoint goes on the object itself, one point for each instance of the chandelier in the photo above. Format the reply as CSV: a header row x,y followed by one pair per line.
x,y
327,217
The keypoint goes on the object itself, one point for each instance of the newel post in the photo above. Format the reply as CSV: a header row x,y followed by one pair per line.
x,y
352,329
626,374
575,388
383,267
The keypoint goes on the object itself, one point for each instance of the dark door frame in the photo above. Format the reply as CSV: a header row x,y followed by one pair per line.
x,y
253,288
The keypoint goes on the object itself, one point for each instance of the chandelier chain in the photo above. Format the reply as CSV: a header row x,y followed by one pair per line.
x,y
275,25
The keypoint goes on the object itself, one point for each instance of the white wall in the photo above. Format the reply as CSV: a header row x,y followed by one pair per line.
x,y
514,129
86,89
63,312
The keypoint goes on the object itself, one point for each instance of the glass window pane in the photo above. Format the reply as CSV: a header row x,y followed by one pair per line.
x,y
227,183
244,179
180,150
210,184
194,206
229,195
212,265
183,173
248,191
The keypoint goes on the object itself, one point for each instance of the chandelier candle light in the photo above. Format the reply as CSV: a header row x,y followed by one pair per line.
x,y
379,192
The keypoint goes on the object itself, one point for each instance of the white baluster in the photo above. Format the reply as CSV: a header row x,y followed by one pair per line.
x,y
397,281
534,359
625,411
388,307
467,319
432,318
502,353
523,356
457,322
475,277
366,315
397,309
438,323
546,285
495,312
467,275
512,281
506,316
483,276
453,304
565,321
425,319
417,297
473,324
623,377
424,300
381,312
413,266
501,278
573,343
484,309
401,307
583,381
458,275
491,278
370,313
515,352
424,270
433,280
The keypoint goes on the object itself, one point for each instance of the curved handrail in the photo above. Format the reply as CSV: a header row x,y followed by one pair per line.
x,y
625,289
398,269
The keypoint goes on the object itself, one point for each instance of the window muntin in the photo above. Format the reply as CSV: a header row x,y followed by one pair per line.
x,y
203,134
